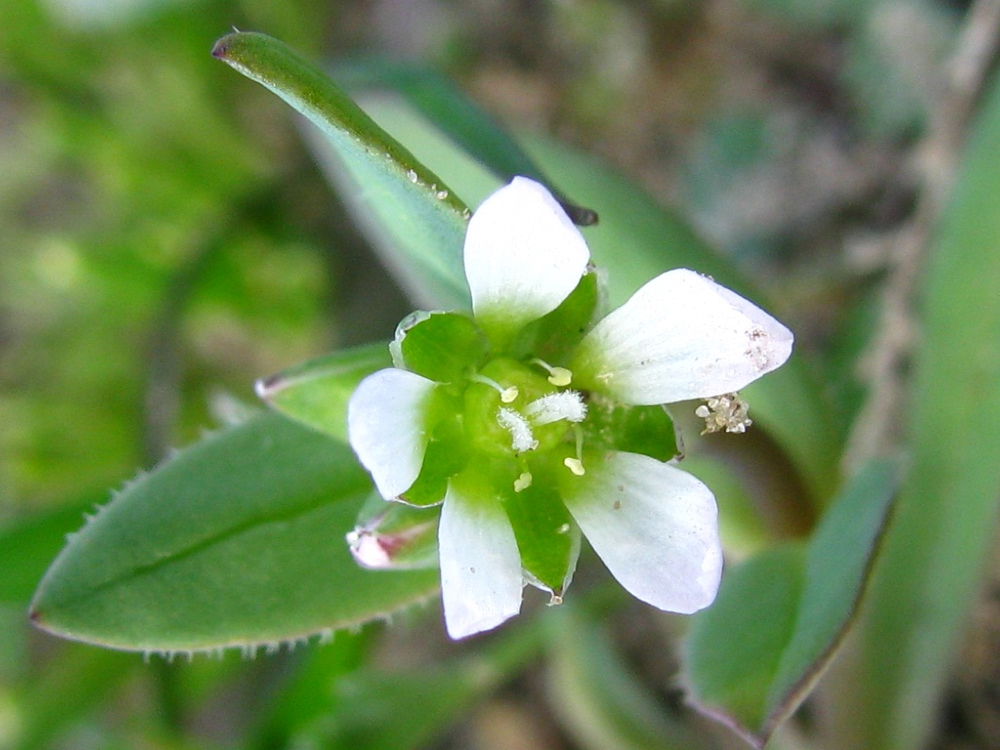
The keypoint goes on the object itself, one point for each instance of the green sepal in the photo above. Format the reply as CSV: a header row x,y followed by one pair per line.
x,y
554,336
446,455
407,536
648,430
316,392
442,346
547,537
236,541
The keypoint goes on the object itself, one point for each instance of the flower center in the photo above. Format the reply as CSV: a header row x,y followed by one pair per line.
x,y
512,409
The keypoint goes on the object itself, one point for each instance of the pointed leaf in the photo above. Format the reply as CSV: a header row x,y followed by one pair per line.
x,y
411,211
236,541
790,607
316,392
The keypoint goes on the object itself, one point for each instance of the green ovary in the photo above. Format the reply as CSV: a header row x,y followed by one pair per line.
x,y
492,425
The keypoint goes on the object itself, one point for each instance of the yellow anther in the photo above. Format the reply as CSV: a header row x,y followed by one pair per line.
x,y
507,395
523,482
575,465
558,376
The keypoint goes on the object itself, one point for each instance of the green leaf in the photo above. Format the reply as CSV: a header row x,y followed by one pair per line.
x,y
316,392
945,527
754,655
411,212
236,541
598,698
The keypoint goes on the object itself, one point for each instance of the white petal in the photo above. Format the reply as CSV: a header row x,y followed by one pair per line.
x,y
523,256
680,336
653,525
481,577
386,426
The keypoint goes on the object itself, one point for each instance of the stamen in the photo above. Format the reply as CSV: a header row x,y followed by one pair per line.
x,y
523,482
521,436
576,464
558,376
507,395
727,412
568,405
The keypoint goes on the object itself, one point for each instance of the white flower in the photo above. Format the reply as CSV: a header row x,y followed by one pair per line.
x,y
525,440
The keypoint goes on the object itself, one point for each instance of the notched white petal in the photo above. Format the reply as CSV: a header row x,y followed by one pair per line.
x,y
481,576
681,336
653,525
386,426
523,255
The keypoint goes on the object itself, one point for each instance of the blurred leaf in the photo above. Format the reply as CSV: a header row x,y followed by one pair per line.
x,y
81,680
236,541
414,216
316,392
305,696
790,607
937,548
371,709
599,699
30,543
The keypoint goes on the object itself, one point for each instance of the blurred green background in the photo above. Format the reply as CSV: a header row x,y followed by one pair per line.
x,y
166,239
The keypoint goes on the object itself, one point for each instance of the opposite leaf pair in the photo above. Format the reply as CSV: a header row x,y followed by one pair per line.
x,y
540,418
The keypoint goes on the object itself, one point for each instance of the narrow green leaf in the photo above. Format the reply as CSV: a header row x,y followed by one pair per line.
x,y
410,210
598,698
316,392
236,541
945,525
754,655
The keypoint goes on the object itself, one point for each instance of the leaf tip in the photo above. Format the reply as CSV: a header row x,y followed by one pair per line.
x,y
266,388
582,217
221,48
